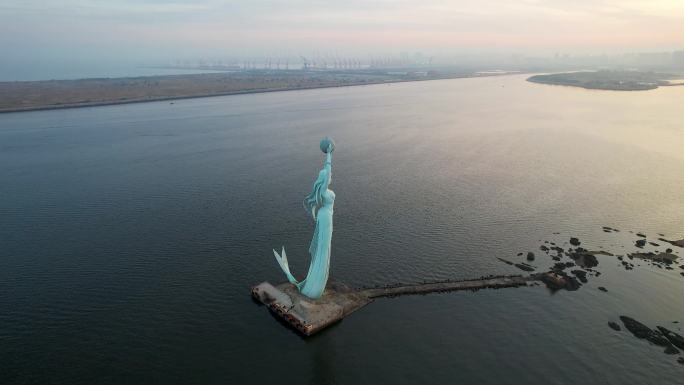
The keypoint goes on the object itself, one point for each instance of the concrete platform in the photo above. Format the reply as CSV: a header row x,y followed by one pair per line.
x,y
307,315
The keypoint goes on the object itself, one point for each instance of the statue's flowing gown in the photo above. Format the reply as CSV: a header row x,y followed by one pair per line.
x,y
314,283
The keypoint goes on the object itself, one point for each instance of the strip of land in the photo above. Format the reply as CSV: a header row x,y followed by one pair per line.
x,y
51,94
491,282
608,80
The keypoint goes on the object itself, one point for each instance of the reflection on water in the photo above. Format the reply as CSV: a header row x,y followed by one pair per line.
x,y
131,234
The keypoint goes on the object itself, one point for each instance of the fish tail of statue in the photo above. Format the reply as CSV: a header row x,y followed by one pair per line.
x,y
282,261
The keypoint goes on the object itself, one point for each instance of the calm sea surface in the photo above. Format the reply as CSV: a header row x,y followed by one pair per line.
x,y
130,235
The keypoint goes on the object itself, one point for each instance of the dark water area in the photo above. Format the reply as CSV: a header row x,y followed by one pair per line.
x,y
130,235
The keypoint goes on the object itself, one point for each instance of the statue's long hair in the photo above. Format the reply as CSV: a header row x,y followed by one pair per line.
x,y
314,200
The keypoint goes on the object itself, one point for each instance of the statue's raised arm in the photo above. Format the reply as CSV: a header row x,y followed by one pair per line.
x,y
319,203
328,146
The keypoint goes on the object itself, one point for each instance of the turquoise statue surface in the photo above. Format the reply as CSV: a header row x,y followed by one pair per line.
x,y
319,203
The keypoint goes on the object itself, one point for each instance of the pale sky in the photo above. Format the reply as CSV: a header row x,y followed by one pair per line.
x,y
149,30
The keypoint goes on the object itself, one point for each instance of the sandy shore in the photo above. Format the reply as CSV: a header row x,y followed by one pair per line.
x,y
53,94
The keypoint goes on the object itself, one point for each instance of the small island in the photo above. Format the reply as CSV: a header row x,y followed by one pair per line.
x,y
607,80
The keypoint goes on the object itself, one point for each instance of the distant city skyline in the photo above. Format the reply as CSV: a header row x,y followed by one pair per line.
x,y
127,32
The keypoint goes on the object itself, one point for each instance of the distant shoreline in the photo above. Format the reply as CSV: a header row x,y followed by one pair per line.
x,y
61,94
607,80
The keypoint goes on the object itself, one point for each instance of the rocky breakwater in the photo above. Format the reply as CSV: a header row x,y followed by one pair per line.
x,y
660,337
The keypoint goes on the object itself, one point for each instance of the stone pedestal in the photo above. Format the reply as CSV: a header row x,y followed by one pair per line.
x,y
307,315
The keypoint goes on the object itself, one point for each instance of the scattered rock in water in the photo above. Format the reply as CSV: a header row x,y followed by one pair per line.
x,y
614,326
601,252
584,258
635,327
655,337
679,243
680,360
676,339
559,253
560,266
581,275
524,267
521,266
608,229
658,339
665,258
561,277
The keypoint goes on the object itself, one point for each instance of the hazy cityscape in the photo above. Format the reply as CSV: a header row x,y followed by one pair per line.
x,y
409,61
520,62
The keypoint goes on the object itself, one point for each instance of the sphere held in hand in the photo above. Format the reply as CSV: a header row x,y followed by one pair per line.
x,y
327,144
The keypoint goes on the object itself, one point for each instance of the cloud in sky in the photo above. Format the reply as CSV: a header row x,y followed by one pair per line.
x,y
166,27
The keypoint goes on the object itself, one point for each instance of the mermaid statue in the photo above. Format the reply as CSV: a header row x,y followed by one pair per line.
x,y
319,203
